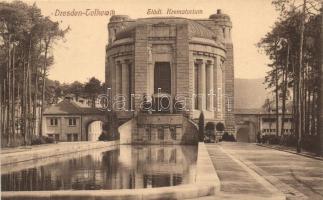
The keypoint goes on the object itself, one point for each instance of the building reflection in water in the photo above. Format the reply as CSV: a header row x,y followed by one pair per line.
x,y
125,168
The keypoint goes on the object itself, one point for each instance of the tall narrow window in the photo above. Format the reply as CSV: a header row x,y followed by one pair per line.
x,y
208,86
196,86
130,85
161,134
119,74
219,99
162,77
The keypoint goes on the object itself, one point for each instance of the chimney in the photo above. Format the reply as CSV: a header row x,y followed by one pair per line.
x,y
219,11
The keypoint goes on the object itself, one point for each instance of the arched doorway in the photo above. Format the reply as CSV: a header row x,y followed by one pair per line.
x,y
162,77
94,130
243,134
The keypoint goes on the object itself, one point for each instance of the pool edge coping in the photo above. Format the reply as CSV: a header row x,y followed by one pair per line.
x,y
207,184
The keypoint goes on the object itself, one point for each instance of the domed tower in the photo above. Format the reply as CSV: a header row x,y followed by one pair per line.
x,y
117,23
223,25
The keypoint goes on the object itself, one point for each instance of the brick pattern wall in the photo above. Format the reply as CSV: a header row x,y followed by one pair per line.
x,y
141,63
164,129
229,89
184,75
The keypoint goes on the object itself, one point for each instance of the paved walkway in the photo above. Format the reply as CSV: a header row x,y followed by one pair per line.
x,y
292,150
237,180
298,177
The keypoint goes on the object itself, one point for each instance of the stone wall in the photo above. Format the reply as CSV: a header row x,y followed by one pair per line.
x,y
159,129
186,42
141,62
183,74
50,150
229,90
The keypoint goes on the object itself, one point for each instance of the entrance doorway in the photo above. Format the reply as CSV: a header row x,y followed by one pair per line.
x,y
162,77
243,134
94,130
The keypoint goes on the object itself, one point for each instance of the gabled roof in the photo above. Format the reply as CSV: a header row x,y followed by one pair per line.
x,y
67,107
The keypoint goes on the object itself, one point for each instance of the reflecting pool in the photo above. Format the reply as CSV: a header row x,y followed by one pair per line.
x,y
125,167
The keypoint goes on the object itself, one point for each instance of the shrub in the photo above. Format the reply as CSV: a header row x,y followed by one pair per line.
x,y
201,127
219,126
103,137
209,126
309,142
228,137
37,140
232,138
270,139
48,140
225,136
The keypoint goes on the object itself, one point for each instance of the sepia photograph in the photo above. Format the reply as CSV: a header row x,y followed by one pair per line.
x,y
161,99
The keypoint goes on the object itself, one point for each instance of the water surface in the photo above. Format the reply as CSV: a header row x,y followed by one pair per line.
x,y
126,167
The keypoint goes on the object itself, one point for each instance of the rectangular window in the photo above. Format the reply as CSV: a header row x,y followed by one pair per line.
x,y
53,121
173,133
160,155
69,137
148,133
75,137
173,156
56,137
161,134
72,121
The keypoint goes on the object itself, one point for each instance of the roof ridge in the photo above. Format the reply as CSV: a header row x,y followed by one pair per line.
x,y
76,106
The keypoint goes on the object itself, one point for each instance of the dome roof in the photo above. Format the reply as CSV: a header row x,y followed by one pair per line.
x,y
195,29
219,15
119,18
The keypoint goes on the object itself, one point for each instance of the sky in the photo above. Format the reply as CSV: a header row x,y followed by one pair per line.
x,y
82,54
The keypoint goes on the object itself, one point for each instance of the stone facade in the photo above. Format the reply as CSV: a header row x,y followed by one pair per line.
x,y
67,121
250,122
188,59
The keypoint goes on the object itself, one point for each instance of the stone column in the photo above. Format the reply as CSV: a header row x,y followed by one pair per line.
x,y
210,90
125,82
118,78
150,69
219,89
202,85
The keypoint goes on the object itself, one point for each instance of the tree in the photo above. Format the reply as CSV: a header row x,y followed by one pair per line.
x,y
220,126
24,36
76,88
93,88
295,61
201,127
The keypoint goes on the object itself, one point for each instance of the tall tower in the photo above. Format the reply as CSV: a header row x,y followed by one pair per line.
x,y
223,25
117,23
